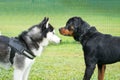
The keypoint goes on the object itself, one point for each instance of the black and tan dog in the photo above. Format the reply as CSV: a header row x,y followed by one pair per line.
x,y
100,49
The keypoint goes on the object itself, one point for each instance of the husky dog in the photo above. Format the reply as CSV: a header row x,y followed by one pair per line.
x,y
20,51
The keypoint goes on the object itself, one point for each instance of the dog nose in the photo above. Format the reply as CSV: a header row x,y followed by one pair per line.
x,y
60,41
59,29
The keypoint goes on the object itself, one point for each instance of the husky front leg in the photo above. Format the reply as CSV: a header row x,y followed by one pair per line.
x,y
18,74
22,73
19,66
28,65
26,73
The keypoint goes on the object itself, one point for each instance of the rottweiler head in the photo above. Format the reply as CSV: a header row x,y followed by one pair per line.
x,y
74,27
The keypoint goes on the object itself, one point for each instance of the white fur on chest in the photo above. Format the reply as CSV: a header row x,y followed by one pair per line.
x,y
38,52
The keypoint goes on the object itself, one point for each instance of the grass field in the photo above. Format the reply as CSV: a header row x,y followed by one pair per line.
x,y
64,61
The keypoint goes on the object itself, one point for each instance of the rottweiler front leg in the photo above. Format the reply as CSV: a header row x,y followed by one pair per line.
x,y
89,71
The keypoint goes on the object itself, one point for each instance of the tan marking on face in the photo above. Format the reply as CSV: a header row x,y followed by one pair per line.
x,y
66,32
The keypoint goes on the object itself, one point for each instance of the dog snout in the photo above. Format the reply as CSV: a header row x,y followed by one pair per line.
x,y
61,30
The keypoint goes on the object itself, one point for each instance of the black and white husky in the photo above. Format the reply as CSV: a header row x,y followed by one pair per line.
x,y
21,51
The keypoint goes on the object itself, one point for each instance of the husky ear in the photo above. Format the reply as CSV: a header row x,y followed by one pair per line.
x,y
44,21
47,19
47,22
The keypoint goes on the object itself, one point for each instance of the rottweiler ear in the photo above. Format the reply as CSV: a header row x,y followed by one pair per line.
x,y
77,22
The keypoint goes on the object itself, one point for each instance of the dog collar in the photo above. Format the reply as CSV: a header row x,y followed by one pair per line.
x,y
91,31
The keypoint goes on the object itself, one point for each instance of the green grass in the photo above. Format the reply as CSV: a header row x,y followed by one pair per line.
x,y
64,61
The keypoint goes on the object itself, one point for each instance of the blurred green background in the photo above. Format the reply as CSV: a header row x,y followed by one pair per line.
x,y
64,61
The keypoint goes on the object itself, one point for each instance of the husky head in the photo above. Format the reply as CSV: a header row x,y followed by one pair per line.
x,y
43,33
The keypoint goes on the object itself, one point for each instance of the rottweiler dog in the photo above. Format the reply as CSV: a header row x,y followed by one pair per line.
x,y
99,48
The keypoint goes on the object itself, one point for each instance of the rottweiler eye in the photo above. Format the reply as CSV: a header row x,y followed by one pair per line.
x,y
71,28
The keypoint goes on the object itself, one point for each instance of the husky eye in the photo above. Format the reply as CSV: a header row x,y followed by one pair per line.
x,y
53,32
